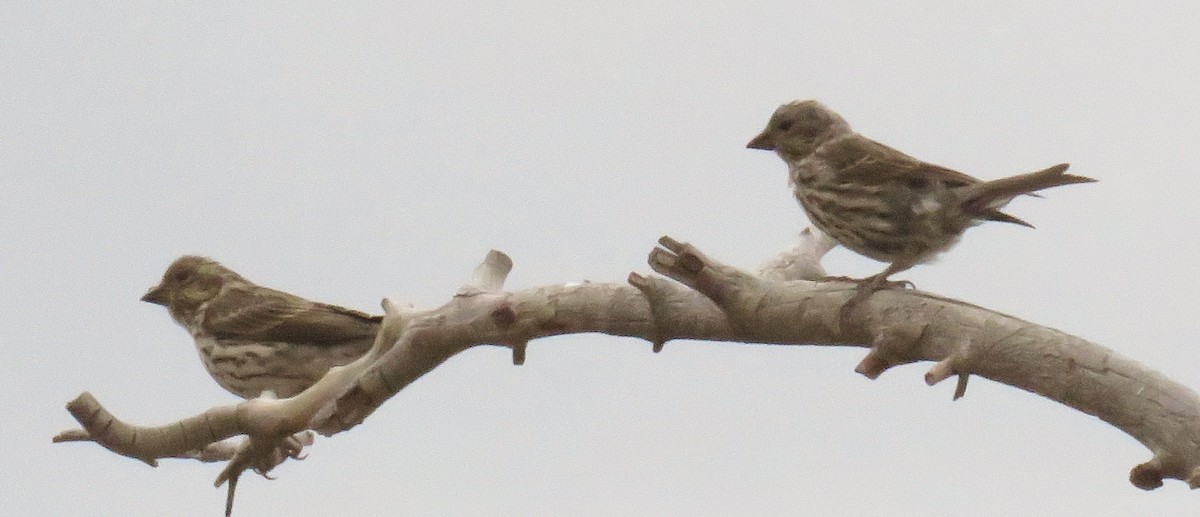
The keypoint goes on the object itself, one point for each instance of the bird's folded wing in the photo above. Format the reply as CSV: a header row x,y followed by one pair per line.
x,y
858,159
260,313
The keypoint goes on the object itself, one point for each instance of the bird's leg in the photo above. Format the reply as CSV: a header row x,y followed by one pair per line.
x,y
842,278
874,282
869,285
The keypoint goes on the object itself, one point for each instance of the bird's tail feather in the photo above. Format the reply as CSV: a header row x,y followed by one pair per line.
x,y
987,197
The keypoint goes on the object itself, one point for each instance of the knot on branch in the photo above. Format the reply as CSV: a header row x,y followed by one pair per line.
x,y
890,347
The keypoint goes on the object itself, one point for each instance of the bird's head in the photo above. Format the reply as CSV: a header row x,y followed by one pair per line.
x,y
189,282
797,128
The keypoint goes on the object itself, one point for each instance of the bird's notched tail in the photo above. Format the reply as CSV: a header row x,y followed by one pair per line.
x,y
987,197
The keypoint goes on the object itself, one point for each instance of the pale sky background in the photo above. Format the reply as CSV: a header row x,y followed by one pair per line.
x,y
364,150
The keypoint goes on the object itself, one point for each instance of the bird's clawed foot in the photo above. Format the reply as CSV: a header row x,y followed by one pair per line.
x,y
839,279
867,286
261,456
891,284
875,283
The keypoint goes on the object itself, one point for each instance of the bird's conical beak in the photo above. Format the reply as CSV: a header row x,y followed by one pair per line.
x,y
156,294
762,141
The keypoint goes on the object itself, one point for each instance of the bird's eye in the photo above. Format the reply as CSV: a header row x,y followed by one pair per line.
x,y
784,125
180,276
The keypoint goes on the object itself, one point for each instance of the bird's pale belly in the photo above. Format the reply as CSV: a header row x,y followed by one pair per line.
x,y
868,224
249,368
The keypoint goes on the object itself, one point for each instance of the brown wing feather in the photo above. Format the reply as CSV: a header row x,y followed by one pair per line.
x,y
260,313
860,159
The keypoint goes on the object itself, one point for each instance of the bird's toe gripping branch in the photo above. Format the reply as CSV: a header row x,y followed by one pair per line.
x,y
260,455
892,345
203,437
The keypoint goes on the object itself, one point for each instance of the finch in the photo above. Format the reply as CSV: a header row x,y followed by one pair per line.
x,y
254,339
880,202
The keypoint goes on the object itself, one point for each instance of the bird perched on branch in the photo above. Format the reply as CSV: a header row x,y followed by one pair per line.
x,y
254,339
880,202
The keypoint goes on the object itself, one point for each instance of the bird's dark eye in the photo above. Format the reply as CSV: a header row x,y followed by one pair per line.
x,y
784,125
180,276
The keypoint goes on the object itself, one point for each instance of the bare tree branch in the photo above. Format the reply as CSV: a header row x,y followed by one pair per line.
x,y
706,300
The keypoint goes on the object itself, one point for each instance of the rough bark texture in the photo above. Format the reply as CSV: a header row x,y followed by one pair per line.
x,y
706,300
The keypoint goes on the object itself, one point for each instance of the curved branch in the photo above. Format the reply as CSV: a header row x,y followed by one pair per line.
x,y
963,339
197,436
715,301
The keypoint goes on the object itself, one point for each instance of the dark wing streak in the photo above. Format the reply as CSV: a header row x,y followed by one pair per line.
x,y
860,159
263,314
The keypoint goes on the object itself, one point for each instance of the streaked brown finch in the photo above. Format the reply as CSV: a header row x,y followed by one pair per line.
x,y
254,339
880,202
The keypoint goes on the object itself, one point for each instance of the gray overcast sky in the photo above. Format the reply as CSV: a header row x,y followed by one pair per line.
x,y
364,150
